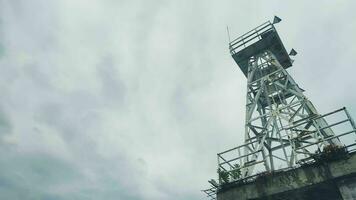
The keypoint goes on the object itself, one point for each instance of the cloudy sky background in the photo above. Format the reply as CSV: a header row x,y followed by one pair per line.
x,y
132,100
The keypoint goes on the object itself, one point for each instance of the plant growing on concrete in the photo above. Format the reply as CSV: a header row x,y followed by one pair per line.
x,y
331,152
223,176
236,172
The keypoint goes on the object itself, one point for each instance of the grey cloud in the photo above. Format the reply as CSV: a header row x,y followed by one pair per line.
x,y
113,89
42,176
5,124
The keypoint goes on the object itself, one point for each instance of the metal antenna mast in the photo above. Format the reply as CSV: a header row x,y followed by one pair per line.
x,y
283,129
280,120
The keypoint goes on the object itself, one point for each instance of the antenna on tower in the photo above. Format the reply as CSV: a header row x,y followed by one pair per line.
x,y
228,33
293,52
276,20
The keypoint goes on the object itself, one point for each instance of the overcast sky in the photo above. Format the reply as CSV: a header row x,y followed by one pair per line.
x,y
132,100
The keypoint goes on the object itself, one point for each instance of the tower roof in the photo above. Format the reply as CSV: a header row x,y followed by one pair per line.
x,y
260,39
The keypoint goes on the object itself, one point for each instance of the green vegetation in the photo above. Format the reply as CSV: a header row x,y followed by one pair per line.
x,y
330,153
234,174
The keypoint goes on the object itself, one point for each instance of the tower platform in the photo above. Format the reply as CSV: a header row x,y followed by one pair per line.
x,y
332,180
260,39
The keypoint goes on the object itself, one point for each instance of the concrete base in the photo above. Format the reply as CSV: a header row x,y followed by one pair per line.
x,y
347,188
333,180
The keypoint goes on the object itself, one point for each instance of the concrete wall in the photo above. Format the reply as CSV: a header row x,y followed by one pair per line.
x,y
347,188
336,180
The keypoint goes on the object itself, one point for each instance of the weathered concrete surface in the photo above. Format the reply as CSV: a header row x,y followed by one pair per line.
x,y
332,180
347,188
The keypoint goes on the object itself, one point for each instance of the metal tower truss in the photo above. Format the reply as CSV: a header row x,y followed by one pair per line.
x,y
282,127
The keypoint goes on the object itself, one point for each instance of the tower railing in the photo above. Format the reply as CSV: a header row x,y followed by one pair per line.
x,y
210,193
339,120
250,37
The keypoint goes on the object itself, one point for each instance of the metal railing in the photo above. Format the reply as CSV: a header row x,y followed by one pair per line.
x,y
341,123
211,193
250,37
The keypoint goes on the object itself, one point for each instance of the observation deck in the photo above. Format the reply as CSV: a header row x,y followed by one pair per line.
x,y
258,40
